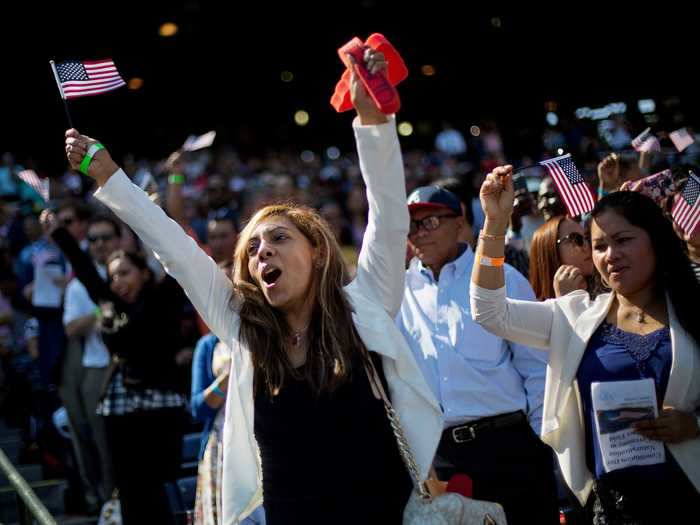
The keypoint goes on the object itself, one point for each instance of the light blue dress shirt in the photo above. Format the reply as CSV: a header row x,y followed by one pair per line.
x,y
472,372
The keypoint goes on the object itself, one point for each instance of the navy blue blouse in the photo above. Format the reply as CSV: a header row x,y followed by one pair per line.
x,y
615,355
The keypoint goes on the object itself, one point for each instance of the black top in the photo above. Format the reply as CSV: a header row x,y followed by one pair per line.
x,y
332,459
146,345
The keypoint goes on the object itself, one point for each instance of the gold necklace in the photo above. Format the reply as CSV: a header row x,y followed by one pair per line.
x,y
640,313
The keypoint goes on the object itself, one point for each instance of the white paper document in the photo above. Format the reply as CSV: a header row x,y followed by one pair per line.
x,y
617,405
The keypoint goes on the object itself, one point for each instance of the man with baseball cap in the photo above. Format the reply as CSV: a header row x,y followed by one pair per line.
x,y
490,390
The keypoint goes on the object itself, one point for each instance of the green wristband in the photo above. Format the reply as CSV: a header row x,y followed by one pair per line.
x,y
87,159
176,179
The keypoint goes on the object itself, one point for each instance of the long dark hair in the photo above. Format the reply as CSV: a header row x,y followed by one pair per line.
x,y
673,273
264,329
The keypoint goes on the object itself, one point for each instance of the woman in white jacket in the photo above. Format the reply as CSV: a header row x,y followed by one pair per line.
x,y
646,327
302,424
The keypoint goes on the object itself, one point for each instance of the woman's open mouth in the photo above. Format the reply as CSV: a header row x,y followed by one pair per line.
x,y
271,276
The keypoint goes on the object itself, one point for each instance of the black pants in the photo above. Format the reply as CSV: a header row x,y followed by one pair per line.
x,y
637,502
511,466
382,507
52,344
146,450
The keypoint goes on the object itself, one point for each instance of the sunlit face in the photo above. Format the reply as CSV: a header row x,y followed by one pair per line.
x,y
281,261
570,251
437,247
126,280
622,253
102,241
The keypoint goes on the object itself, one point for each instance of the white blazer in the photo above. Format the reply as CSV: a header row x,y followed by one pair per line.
x,y
375,294
564,326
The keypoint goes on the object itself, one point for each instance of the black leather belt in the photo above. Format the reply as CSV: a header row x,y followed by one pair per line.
x,y
474,429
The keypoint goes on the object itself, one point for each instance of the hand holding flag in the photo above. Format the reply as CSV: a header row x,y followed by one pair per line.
x,y
497,195
100,168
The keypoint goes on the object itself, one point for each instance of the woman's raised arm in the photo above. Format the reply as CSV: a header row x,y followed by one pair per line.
x,y
380,266
525,322
207,286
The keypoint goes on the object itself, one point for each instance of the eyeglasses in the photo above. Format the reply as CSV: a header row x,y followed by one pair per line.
x,y
104,238
67,221
575,238
428,223
547,195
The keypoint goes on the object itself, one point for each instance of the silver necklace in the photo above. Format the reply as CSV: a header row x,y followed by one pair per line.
x,y
296,336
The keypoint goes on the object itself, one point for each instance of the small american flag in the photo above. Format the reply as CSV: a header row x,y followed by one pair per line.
x,y
80,79
571,185
686,211
681,139
645,142
38,185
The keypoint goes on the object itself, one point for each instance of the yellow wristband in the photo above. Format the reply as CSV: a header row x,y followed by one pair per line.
x,y
495,262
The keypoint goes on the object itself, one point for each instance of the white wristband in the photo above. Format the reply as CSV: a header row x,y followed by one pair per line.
x,y
93,149
495,262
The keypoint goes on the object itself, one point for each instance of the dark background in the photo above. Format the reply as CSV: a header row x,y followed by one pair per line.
x,y
222,69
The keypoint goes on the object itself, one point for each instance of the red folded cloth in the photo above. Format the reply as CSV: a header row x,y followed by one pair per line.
x,y
384,95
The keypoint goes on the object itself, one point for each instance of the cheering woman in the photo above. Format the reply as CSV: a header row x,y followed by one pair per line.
x,y
303,425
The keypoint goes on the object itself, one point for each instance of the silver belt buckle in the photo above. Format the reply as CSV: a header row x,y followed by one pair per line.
x,y
470,437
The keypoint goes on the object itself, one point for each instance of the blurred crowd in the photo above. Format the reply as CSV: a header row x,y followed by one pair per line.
x,y
211,193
